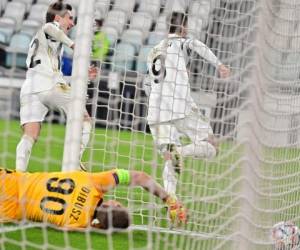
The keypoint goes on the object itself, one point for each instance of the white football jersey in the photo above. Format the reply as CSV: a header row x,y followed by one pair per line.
x,y
170,96
43,59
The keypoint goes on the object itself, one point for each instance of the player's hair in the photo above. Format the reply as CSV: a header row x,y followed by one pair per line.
x,y
177,20
58,8
112,217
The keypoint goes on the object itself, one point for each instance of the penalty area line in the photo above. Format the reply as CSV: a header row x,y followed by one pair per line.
x,y
7,229
175,232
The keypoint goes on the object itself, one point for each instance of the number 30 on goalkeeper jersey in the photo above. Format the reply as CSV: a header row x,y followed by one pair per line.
x,y
64,199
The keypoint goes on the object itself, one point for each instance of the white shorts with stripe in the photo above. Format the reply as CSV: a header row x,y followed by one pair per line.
x,y
195,126
35,106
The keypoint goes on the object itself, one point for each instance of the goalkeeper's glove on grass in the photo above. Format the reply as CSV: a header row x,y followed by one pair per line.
x,y
177,213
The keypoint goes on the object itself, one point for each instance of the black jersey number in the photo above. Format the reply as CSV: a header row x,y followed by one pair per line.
x,y
158,69
34,62
55,185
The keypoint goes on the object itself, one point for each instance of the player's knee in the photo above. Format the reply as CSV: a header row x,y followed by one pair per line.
x,y
87,118
32,131
204,150
211,151
87,126
33,137
166,150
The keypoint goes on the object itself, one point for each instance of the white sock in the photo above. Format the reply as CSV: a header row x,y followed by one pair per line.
x,y
202,150
86,131
23,152
169,178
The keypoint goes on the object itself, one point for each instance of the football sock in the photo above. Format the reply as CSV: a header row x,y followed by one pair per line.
x,y
23,152
86,131
169,178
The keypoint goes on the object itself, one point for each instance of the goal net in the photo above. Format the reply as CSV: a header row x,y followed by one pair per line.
x,y
233,199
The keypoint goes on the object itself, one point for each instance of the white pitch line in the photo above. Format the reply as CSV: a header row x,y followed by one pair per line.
x,y
175,231
6,229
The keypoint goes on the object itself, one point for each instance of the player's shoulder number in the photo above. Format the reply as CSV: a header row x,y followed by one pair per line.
x,y
34,45
158,69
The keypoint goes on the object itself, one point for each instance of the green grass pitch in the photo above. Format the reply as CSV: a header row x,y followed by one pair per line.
x,y
110,148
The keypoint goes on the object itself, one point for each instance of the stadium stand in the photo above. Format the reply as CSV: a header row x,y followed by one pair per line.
x,y
102,7
155,37
2,5
27,3
112,34
141,21
12,18
134,37
116,19
126,6
150,6
161,23
137,25
44,1
123,59
17,50
141,65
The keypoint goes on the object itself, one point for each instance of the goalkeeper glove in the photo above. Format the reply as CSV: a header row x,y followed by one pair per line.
x,y
177,213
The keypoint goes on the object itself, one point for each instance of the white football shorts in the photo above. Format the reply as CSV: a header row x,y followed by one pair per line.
x,y
195,126
35,106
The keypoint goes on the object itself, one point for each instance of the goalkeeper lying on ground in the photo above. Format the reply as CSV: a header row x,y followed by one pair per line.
x,y
75,199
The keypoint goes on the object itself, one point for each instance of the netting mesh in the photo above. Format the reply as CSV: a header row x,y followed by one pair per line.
x,y
233,199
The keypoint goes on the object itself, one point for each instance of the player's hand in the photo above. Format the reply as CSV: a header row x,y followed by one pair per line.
x,y
223,71
93,71
177,213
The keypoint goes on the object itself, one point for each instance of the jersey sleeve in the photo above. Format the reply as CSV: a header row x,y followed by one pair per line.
x,y
202,50
107,180
54,31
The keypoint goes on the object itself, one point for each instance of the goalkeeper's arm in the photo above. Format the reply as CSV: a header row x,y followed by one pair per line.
x,y
137,178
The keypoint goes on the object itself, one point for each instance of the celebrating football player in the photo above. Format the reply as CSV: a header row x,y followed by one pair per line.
x,y
172,111
45,86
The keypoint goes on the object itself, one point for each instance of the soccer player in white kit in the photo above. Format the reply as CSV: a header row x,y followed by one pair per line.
x,y
44,86
172,111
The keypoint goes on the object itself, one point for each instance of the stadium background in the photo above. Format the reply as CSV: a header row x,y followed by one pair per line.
x,y
255,113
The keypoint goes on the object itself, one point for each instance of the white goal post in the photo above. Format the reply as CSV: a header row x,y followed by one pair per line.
x,y
79,85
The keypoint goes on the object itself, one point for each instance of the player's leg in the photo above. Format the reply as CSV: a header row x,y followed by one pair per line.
x,y
32,113
166,138
199,131
61,99
86,132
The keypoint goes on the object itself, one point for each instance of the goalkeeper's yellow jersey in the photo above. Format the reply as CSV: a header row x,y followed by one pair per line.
x,y
64,199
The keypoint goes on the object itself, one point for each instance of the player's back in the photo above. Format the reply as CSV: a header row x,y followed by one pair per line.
x,y
66,199
170,90
63,199
9,202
